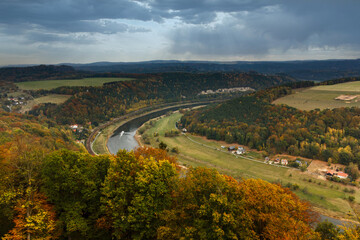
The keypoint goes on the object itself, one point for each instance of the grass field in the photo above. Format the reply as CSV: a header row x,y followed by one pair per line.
x,y
52,98
322,97
50,84
327,197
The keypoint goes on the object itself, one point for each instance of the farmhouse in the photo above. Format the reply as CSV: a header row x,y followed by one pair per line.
x,y
299,162
75,126
240,150
231,148
341,175
284,162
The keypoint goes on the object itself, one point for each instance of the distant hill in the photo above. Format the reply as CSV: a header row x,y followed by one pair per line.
x,y
35,73
318,70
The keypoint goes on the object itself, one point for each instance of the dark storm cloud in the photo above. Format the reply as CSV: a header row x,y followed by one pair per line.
x,y
300,25
35,18
48,11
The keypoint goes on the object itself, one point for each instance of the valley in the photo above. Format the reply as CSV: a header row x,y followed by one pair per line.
x,y
179,120
219,128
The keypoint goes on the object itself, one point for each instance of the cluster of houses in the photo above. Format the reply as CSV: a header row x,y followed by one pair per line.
x,y
236,150
17,101
76,128
227,90
339,174
13,101
277,161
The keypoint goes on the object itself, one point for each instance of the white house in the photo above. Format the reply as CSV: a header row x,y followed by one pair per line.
x,y
240,150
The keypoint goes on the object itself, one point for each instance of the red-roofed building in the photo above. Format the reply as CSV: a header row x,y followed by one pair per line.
x,y
342,175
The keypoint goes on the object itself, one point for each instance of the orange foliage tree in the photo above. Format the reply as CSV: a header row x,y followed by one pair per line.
x,y
276,212
156,153
37,223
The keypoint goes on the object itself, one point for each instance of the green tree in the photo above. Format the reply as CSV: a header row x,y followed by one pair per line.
x,y
136,191
353,171
72,181
206,205
162,145
327,230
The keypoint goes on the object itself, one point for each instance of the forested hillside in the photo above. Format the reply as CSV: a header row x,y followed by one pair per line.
x,y
98,104
24,141
302,70
330,135
36,73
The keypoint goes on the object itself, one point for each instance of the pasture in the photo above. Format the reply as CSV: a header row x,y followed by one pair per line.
x,y
51,84
52,98
327,197
322,97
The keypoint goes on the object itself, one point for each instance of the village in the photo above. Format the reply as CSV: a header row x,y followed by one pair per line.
x,y
332,172
17,102
226,90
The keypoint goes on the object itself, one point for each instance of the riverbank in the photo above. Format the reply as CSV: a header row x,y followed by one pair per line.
x,y
107,129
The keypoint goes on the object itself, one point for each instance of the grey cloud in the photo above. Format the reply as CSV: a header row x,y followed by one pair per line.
x,y
195,11
58,38
223,39
72,15
290,25
103,26
41,12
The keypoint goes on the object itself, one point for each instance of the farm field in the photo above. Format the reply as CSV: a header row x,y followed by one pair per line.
x,y
327,197
52,98
322,97
50,84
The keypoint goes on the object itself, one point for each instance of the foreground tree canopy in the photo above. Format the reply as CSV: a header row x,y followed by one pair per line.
x,y
138,196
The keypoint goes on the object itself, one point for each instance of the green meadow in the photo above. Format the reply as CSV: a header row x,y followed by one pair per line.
x,y
322,97
85,82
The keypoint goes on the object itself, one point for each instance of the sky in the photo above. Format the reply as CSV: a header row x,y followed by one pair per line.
x,y
83,31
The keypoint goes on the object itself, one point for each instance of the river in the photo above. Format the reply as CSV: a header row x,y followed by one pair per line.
x,y
124,136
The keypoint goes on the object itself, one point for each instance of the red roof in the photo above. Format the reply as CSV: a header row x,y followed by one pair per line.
x,y
345,175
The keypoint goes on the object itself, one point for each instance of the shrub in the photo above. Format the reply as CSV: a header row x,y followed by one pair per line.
x,y
175,150
303,168
351,198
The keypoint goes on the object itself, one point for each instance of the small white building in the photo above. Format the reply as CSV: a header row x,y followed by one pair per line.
x,y
240,150
284,162
74,127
